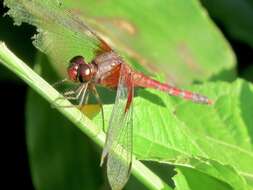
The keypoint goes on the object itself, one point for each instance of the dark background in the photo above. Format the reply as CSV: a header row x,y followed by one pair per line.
x,y
16,172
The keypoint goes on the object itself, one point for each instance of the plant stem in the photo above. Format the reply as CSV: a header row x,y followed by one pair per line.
x,y
16,65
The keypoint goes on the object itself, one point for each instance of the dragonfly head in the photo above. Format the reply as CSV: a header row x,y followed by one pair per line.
x,y
79,70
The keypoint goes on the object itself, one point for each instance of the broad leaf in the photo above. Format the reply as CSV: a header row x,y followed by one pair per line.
x,y
190,179
216,140
169,37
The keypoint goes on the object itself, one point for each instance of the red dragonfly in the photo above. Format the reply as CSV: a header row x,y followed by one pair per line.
x,y
107,69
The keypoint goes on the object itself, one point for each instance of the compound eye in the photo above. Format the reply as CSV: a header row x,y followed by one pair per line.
x,y
85,74
72,72
74,65
77,60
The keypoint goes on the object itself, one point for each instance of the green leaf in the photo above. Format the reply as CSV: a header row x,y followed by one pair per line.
x,y
174,38
171,38
212,169
190,179
216,140
140,171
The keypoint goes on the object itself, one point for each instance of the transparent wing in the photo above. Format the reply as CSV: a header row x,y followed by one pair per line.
x,y
62,35
118,147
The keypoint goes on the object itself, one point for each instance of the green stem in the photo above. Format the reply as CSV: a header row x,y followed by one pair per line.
x,y
12,62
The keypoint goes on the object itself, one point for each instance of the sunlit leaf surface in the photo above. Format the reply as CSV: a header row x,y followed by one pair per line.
x,y
216,139
167,37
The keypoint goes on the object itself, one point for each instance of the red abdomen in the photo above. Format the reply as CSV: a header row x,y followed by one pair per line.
x,y
141,80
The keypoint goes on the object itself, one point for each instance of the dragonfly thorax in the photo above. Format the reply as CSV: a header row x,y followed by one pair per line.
x,y
80,71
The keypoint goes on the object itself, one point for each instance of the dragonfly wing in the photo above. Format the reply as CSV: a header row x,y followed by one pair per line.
x,y
62,35
118,147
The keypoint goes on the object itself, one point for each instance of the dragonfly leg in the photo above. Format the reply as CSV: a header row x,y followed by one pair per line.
x,y
83,94
86,99
69,95
60,82
95,92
